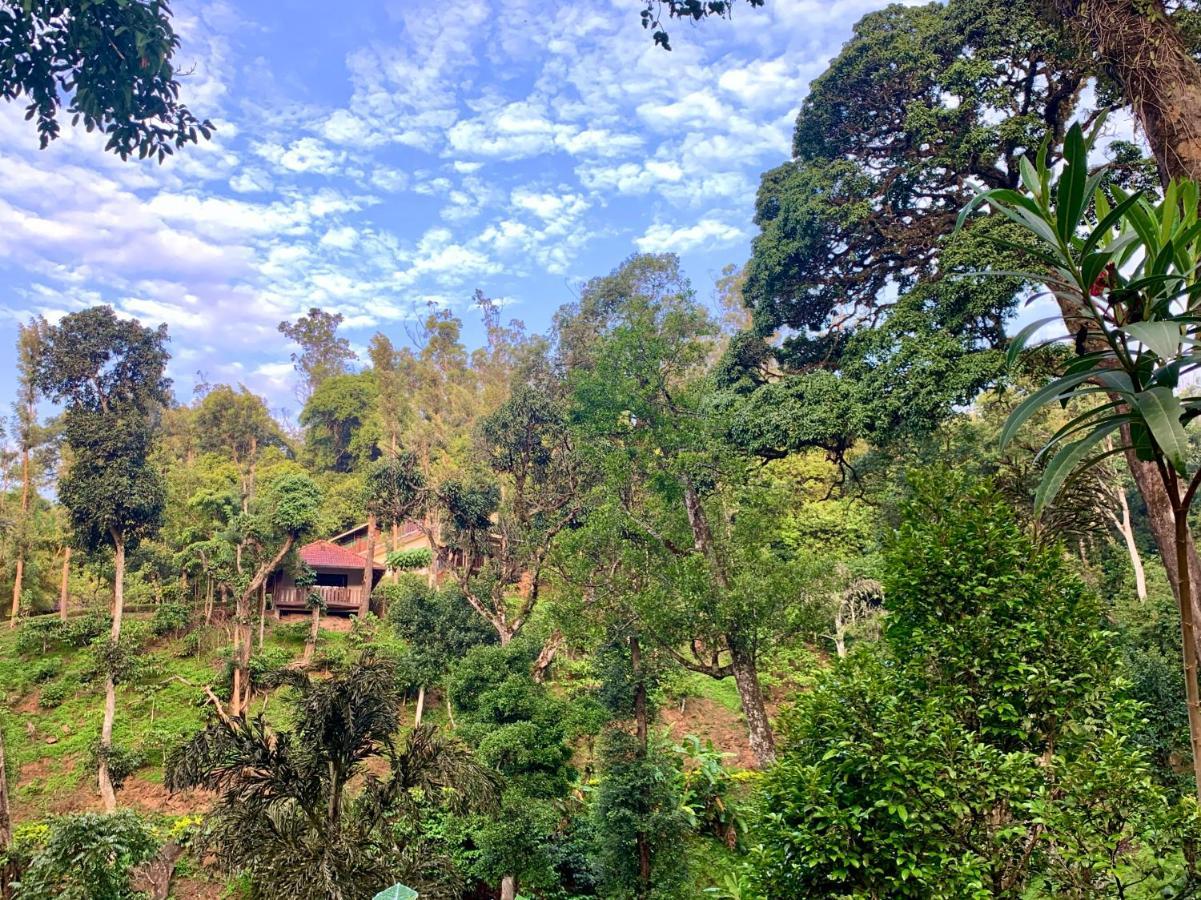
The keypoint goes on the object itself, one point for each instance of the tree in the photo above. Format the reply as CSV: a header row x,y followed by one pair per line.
x,y
283,516
237,424
518,728
29,435
634,350
109,374
322,353
1129,289
90,857
109,61
285,816
927,766
341,429
1141,44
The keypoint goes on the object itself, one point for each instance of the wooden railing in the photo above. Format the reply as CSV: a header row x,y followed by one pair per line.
x,y
334,597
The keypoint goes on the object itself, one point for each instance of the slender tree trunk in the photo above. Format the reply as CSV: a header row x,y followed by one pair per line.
x,y
107,792
1188,640
508,887
1140,45
310,645
746,678
1126,529
19,579
368,568
450,713
420,706
62,584
262,612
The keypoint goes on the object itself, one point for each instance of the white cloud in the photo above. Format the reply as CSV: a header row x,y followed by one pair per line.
x,y
661,237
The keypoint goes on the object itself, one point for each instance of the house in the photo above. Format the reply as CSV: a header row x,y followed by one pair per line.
x,y
339,579
408,536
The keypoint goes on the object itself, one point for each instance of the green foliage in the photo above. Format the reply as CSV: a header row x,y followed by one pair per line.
x,y
172,619
409,560
322,353
638,793
984,748
285,817
109,372
89,857
438,624
53,694
707,791
109,62
341,432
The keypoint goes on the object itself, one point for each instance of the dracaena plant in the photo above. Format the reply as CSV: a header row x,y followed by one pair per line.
x,y
1123,269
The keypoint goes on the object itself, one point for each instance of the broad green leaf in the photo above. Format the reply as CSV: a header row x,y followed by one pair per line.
x,y
1161,410
1053,391
1063,463
396,892
1108,221
1162,338
1019,341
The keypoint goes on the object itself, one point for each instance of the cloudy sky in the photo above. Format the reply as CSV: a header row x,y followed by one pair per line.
x,y
372,157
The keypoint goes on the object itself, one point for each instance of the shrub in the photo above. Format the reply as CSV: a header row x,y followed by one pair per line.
x,y
171,619
53,695
45,669
89,857
122,761
409,560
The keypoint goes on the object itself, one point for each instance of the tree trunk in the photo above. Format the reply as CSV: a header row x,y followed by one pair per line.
x,y
62,584
107,792
17,579
547,655
420,706
1139,44
508,887
311,644
1126,529
368,568
746,678
1189,642
20,575
262,612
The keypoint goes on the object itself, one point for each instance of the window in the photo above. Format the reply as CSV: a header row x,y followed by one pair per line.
x,y
330,579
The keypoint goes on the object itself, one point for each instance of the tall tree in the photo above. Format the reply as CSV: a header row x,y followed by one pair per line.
x,y
110,62
237,424
109,374
29,348
322,352
341,423
635,350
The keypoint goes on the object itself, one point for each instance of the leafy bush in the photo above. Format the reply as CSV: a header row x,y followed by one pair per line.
x,y
122,761
89,857
45,669
410,560
706,790
53,695
171,619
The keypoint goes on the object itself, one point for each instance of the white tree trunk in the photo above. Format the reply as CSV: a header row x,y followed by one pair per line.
x,y
107,793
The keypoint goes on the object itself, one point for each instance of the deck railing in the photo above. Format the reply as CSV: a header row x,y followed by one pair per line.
x,y
333,597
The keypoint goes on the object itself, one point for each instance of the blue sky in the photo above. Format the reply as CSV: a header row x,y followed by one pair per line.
x,y
372,157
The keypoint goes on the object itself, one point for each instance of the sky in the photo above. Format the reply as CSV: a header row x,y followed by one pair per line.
x,y
374,157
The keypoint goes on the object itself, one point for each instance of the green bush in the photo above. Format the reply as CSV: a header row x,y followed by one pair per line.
x,y
89,857
45,669
122,761
53,695
171,619
409,560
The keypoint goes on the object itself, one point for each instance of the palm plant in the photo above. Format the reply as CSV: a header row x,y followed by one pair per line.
x,y
1125,276
285,815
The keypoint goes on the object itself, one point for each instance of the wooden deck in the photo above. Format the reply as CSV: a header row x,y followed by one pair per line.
x,y
337,598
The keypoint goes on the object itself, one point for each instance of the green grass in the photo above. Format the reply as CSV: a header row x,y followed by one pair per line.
x,y
723,692
48,750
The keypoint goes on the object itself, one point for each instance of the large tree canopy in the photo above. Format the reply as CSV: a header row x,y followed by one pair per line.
x,y
108,61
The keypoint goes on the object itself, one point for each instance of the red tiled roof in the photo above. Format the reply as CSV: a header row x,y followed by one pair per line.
x,y
328,555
